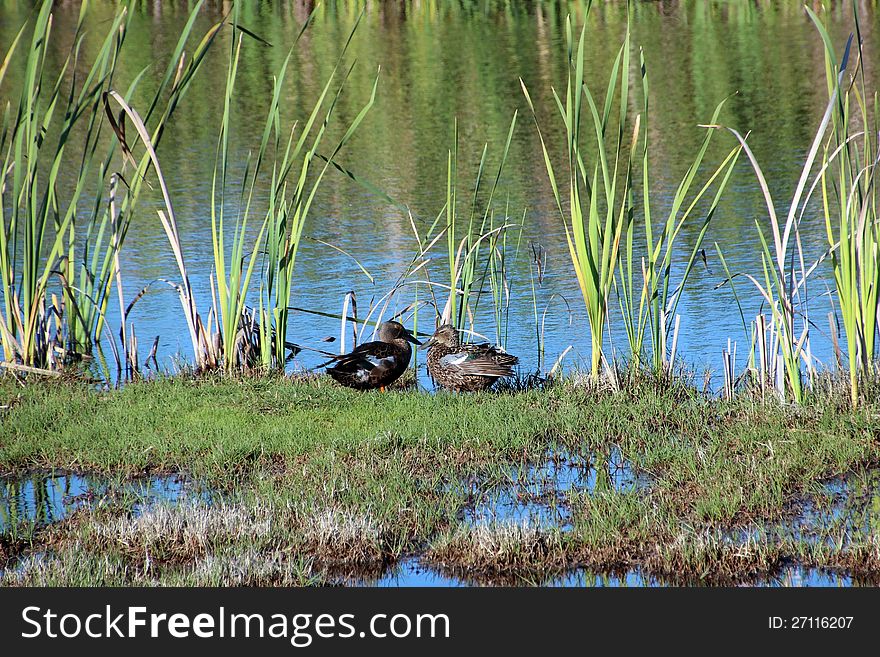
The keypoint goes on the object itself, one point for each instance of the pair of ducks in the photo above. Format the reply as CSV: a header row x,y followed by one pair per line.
x,y
463,368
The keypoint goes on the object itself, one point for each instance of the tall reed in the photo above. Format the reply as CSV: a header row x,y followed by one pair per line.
x,y
49,234
468,240
655,311
599,207
179,74
32,240
291,198
600,218
480,240
785,274
248,338
849,203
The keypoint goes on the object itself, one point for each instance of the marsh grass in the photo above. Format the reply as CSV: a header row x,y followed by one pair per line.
x,y
325,483
480,234
47,224
249,339
655,313
78,565
593,227
483,243
40,241
600,213
783,341
500,549
848,184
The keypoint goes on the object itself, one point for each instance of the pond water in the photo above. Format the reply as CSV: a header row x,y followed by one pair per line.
x,y
535,494
462,60
838,510
49,497
412,573
539,494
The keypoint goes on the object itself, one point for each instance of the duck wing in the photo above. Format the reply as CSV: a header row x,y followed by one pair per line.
x,y
473,360
367,356
493,353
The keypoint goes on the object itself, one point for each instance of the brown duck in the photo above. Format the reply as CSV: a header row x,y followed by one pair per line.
x,y
375,364
465,367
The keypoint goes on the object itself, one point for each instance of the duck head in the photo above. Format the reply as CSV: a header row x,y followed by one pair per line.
x,y
445,336
393,331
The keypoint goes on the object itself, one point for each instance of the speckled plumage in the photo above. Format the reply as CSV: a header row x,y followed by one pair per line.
x,y
375,364
465,367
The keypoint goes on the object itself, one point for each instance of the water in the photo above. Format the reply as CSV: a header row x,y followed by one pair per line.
x,y
463,60
841,507
411,572
539,494
47,498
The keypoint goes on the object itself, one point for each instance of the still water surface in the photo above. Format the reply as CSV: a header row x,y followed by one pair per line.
x,y
462,60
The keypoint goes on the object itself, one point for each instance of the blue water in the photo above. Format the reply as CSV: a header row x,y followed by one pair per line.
x,y
410,572
540,493
771,58
48,498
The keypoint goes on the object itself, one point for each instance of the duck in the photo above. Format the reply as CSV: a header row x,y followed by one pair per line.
x,y
465,367
375,364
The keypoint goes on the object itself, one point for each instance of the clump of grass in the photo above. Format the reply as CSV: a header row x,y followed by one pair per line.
x,y
711,558
597,211
464,255
169,535
248,567
79,566
250,338
341,536
598,515
783,342
174,533
655,312
500,548
860,557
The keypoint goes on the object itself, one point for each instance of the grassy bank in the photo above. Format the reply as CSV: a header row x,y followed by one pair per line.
x,y
314,483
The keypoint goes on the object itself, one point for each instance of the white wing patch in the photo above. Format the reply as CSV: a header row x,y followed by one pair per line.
x,y
382,362
362,375
454,360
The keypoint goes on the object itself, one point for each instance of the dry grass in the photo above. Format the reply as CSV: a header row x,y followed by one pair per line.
x,y
500,549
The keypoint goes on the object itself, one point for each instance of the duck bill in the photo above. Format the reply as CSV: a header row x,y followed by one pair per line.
x,y
409,337
429,342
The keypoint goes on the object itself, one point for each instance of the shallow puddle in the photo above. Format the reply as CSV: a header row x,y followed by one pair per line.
x,y
533,493
47,498
797,576
539,494
411,572
841,509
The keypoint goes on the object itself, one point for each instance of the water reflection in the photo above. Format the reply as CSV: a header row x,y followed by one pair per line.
x,y
411,572
540,493
46,498
771,56
840,510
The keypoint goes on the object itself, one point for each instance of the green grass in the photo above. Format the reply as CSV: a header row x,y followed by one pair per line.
x,y
329,483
